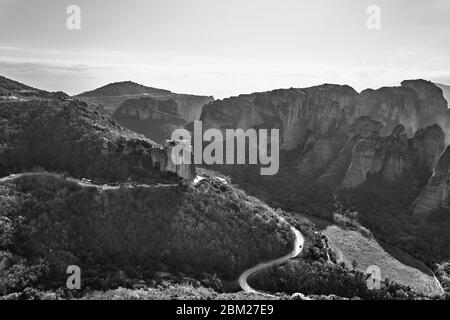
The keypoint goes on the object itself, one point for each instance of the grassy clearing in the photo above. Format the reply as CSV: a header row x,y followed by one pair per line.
x,y
394,264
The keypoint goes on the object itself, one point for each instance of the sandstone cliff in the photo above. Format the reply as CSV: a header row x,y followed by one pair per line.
x,y
432,104
394,155
435,194
153,118
364,128
323,124
391,106
298,113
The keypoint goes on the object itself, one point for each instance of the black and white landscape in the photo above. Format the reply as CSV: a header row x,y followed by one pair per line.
x,y
94,206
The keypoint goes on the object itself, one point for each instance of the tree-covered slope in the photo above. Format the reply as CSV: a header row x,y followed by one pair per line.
x,y
48,223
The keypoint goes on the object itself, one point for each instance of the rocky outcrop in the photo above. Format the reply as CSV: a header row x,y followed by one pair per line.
x,y
364,128
390,106
432,104
429,145
153,118
363,156
394,155
162,159
435,195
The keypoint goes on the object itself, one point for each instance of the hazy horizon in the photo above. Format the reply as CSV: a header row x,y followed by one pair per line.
x,y
223,48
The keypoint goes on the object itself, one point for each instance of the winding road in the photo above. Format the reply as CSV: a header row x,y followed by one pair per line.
x,y
298,247
82,183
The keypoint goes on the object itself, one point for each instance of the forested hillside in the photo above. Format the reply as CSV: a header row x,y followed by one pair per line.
x,y
47,223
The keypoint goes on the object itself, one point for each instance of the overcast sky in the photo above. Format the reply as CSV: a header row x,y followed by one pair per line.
x,y
223,47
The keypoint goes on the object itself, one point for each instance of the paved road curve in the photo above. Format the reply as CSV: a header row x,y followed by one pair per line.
x,y
298,247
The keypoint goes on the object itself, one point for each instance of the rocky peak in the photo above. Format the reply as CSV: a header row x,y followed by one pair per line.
x,y
433,108
429,93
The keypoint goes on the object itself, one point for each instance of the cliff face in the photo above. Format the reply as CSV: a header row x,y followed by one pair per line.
x,y
335,131
298,113
363,129
429,145
435,195
113,95
152,118
394,155
433,105
390,106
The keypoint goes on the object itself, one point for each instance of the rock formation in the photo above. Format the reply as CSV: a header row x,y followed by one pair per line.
x,y
153,118
298,113
364,128
429,145
435,194
394,155
432,105
162,159
340,135
390,106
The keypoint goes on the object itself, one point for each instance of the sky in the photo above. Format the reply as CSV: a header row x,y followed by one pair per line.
x,y
224,47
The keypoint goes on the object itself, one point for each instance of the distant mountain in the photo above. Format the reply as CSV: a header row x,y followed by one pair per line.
x,y
113,95
122,89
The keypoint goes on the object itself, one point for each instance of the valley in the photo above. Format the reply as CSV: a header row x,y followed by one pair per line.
x,y
362,180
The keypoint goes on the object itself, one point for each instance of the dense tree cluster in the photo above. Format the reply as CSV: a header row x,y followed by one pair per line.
x,y
315,278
